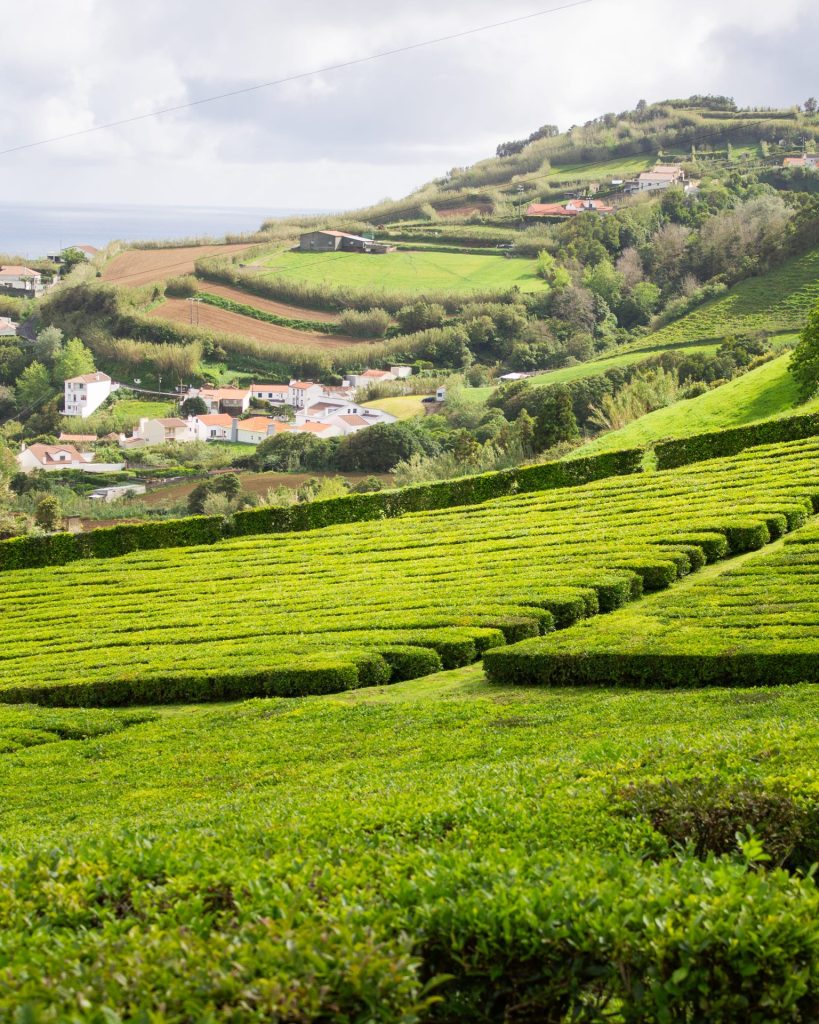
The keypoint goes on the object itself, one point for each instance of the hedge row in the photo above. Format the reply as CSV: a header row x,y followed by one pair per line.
x,y
755,625
455,581
57,549
721,443
314,326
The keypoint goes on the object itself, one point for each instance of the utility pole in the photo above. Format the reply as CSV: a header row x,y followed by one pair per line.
x,y
520,200
194,305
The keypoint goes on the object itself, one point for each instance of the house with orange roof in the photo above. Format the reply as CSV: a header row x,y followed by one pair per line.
x,y
54,457
233,401
21,280
214,426
273,394
301,393
571,209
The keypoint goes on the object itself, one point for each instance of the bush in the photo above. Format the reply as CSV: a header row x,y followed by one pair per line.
x,y
369,323
184,287
720,443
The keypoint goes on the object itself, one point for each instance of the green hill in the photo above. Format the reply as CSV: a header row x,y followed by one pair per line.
x,y
767,391
776,303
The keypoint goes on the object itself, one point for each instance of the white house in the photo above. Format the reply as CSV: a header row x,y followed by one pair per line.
x,y
50,457
255,429
21,279
86,393
8,328
349,423
370,377
301,393
273,394
109,494
158,431
233,401
214,426
329,408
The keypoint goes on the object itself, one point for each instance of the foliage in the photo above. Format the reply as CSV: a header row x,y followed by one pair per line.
x,y
49,514
72,360
194,406
805,362
371,323
184,287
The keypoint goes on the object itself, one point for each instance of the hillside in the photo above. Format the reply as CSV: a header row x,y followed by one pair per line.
x,y
767,391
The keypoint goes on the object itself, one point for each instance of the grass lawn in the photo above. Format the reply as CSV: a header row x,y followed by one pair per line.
x,y
597,366
622,167
402,406
123,415
413,272
767,391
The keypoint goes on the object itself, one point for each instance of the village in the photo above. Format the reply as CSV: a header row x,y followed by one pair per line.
x,y
240,415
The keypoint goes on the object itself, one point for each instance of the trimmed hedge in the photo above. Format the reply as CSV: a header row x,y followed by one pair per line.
x,y
57,549
720,443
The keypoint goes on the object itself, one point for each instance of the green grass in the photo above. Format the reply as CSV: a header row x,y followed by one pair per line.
x,y
413,272
405,407
739,626
623,167
778,302
429,589
594,367
122,415
767,391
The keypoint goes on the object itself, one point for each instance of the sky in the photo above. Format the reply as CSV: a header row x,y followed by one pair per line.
x,y
349,137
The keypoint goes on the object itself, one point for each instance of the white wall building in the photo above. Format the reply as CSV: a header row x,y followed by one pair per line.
x,y
159,431
51,457
21,279
8,328
214,426
273,394
85,394
301,393
233,401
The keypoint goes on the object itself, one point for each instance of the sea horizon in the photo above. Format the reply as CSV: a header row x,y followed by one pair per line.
x,y
33,230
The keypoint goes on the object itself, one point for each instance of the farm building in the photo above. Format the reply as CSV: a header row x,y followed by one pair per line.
x,y
570,209
340,241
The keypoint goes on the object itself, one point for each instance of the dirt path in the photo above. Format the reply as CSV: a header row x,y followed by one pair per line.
x,y
144,266
268,305
215,319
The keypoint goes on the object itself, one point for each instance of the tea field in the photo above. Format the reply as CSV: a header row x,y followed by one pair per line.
x,y
776,303
757,620
440,850
369,602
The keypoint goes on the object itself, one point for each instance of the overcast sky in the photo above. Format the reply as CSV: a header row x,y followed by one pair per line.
x,y
352,136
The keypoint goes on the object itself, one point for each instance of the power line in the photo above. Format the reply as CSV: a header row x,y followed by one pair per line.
x,y
296,77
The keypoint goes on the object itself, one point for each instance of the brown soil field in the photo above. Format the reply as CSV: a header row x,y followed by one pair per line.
x,y
254,483
144,266
268,305
215,319
465,211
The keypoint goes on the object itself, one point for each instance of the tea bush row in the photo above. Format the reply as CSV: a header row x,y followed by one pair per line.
x,y
324,610
756,623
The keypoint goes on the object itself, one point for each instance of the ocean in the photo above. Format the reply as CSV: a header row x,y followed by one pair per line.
x,y
35,230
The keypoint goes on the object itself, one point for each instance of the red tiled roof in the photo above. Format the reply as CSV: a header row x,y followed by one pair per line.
x,y
570,209
48,452
216,419
280,388
88,378
302,385
77,437
256,424
13,270
355,421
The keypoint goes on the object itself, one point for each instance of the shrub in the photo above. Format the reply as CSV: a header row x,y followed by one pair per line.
x,y
184,287
720,443
369,323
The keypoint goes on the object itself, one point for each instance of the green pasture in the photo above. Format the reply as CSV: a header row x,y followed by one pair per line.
x,y
413,272
769,390
402,406
619,167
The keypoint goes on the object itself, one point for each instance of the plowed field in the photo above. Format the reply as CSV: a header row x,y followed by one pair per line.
x,y
215,319
268,305
144,266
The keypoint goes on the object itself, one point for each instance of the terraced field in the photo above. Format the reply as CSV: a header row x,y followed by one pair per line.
x,y
227,322
778,302
747,625
413,272
268,305
144,266
284,614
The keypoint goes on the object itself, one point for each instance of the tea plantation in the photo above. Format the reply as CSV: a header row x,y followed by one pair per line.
x,y
367,603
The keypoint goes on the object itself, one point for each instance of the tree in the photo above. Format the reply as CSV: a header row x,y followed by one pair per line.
x,y
605,281
556,421
48,343
70,259
194,406
810,105
49,514
72,360
378,448
805,360
553,274
33,387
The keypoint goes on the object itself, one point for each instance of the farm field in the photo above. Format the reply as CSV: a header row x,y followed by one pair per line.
x,y
777,303
769,390
469,579
180,859
267,305
413,272
622,167
594,367
253,483
134,267
213,318
402,406
742,625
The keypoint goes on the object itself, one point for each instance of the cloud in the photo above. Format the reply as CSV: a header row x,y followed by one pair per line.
x,y
344,137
